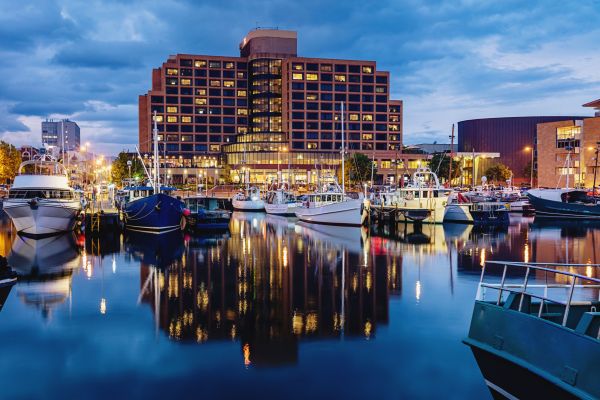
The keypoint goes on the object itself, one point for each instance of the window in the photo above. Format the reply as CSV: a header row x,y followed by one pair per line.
x,y
297,86
326,67
241,75
367,69
186,82
215,148
186,138
367,117
200,101
200,92
199,63
172,71
312,145
297,67
242,111
380,89
215,73
171,118
312,96
214,64
241,93
312,77
567,132
158,118
340,78
228,83
172,81
171,109
215,83
297,76
186,119
353,117
394,118
228,65
340,68
367,136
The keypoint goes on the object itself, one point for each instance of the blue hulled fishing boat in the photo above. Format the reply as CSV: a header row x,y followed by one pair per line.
x,y
151,208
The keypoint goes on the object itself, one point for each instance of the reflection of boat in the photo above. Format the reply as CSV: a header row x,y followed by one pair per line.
x,y
45,267
457,231
160,251
350,238
525,336
40,201
564,203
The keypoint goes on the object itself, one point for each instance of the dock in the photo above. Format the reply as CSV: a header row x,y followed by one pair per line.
x,y
102,216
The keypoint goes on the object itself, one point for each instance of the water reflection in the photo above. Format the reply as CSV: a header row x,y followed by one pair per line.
x,y
45,268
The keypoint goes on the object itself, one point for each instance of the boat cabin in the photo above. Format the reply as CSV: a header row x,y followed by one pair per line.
x,y
197,204
321,199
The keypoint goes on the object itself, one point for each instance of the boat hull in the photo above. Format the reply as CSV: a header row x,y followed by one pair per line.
x,y
557,209
285,209
427,210
458,213
348,212
158,213
200,222
248,205
42,217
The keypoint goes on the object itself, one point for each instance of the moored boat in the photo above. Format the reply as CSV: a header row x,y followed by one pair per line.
x,y
41,202
281,202
205,214
249,200
564,203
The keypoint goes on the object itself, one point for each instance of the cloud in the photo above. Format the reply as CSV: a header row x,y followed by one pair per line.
x,y
449,60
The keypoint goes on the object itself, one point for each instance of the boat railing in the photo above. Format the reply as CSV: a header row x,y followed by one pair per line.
x,y
42,167
569,281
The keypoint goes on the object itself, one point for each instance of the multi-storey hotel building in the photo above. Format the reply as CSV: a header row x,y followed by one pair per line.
x,y
270,111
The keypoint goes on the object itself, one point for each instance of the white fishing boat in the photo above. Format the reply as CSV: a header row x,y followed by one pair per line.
x,y
281,201
40,202
248,200
458,209
331,205
423,199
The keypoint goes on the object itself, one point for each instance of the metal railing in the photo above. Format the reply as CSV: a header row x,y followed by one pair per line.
x,y
521,288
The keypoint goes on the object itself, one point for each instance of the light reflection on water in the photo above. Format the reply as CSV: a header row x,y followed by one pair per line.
x,y
274,308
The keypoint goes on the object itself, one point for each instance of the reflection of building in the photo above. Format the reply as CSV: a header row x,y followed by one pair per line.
x,y
267,290
269,107
575,139
59,133
512,137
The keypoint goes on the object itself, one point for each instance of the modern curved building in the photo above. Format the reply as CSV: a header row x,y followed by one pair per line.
x,y
512,137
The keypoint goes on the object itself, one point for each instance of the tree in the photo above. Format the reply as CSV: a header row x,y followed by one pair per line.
x,y
120,169
358,168
10,159
440,164
498,173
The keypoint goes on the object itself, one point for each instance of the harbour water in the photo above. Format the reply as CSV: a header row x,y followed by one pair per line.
x,y
272,309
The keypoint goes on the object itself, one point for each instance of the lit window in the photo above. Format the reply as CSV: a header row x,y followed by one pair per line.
x,y
394,109
171,118
393,137
215,148
228,65
297,76
199,63
158,118
393,127
367,69
160,137
367,136
367,117
340,78
394,118
386,164
228,83
326,67
200,92
242,129
172,81
186,119
215,83
567,132
241,75
312,96
353,117
242,111
241,93
186,82
298,67
171,109
214,64
172,71
200,101
312,77
312,145
380,89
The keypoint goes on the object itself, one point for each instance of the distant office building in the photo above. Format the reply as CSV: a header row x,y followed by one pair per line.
x,y
513,137
432,148
55,133
270,110
567,150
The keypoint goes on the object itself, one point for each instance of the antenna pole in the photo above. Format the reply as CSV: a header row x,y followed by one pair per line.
x,y
156,163
451,157
343,152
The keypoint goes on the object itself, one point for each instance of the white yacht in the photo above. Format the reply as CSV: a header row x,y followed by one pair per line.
x,y
281,202
424,199
331,205
249,200
40,202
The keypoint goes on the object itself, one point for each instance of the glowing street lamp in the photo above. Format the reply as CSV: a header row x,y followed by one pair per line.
x,y
530,148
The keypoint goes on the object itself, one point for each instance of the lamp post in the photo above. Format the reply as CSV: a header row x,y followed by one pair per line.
x,y
596,167
530,148
129,167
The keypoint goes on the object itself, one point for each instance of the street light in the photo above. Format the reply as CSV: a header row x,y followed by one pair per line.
x,y
530,148
596,168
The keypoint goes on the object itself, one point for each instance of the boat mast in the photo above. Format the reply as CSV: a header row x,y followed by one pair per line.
x,y
156,182
343,152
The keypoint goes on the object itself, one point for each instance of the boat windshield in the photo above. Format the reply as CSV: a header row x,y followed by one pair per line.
x,y
42,167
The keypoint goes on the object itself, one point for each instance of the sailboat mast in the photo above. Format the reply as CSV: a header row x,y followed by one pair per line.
x,y
156,182
343,152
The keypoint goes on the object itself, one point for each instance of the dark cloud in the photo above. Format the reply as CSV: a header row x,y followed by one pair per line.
x,y
449,60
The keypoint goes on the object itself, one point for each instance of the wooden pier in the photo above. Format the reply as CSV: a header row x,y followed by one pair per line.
x,y
102,216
